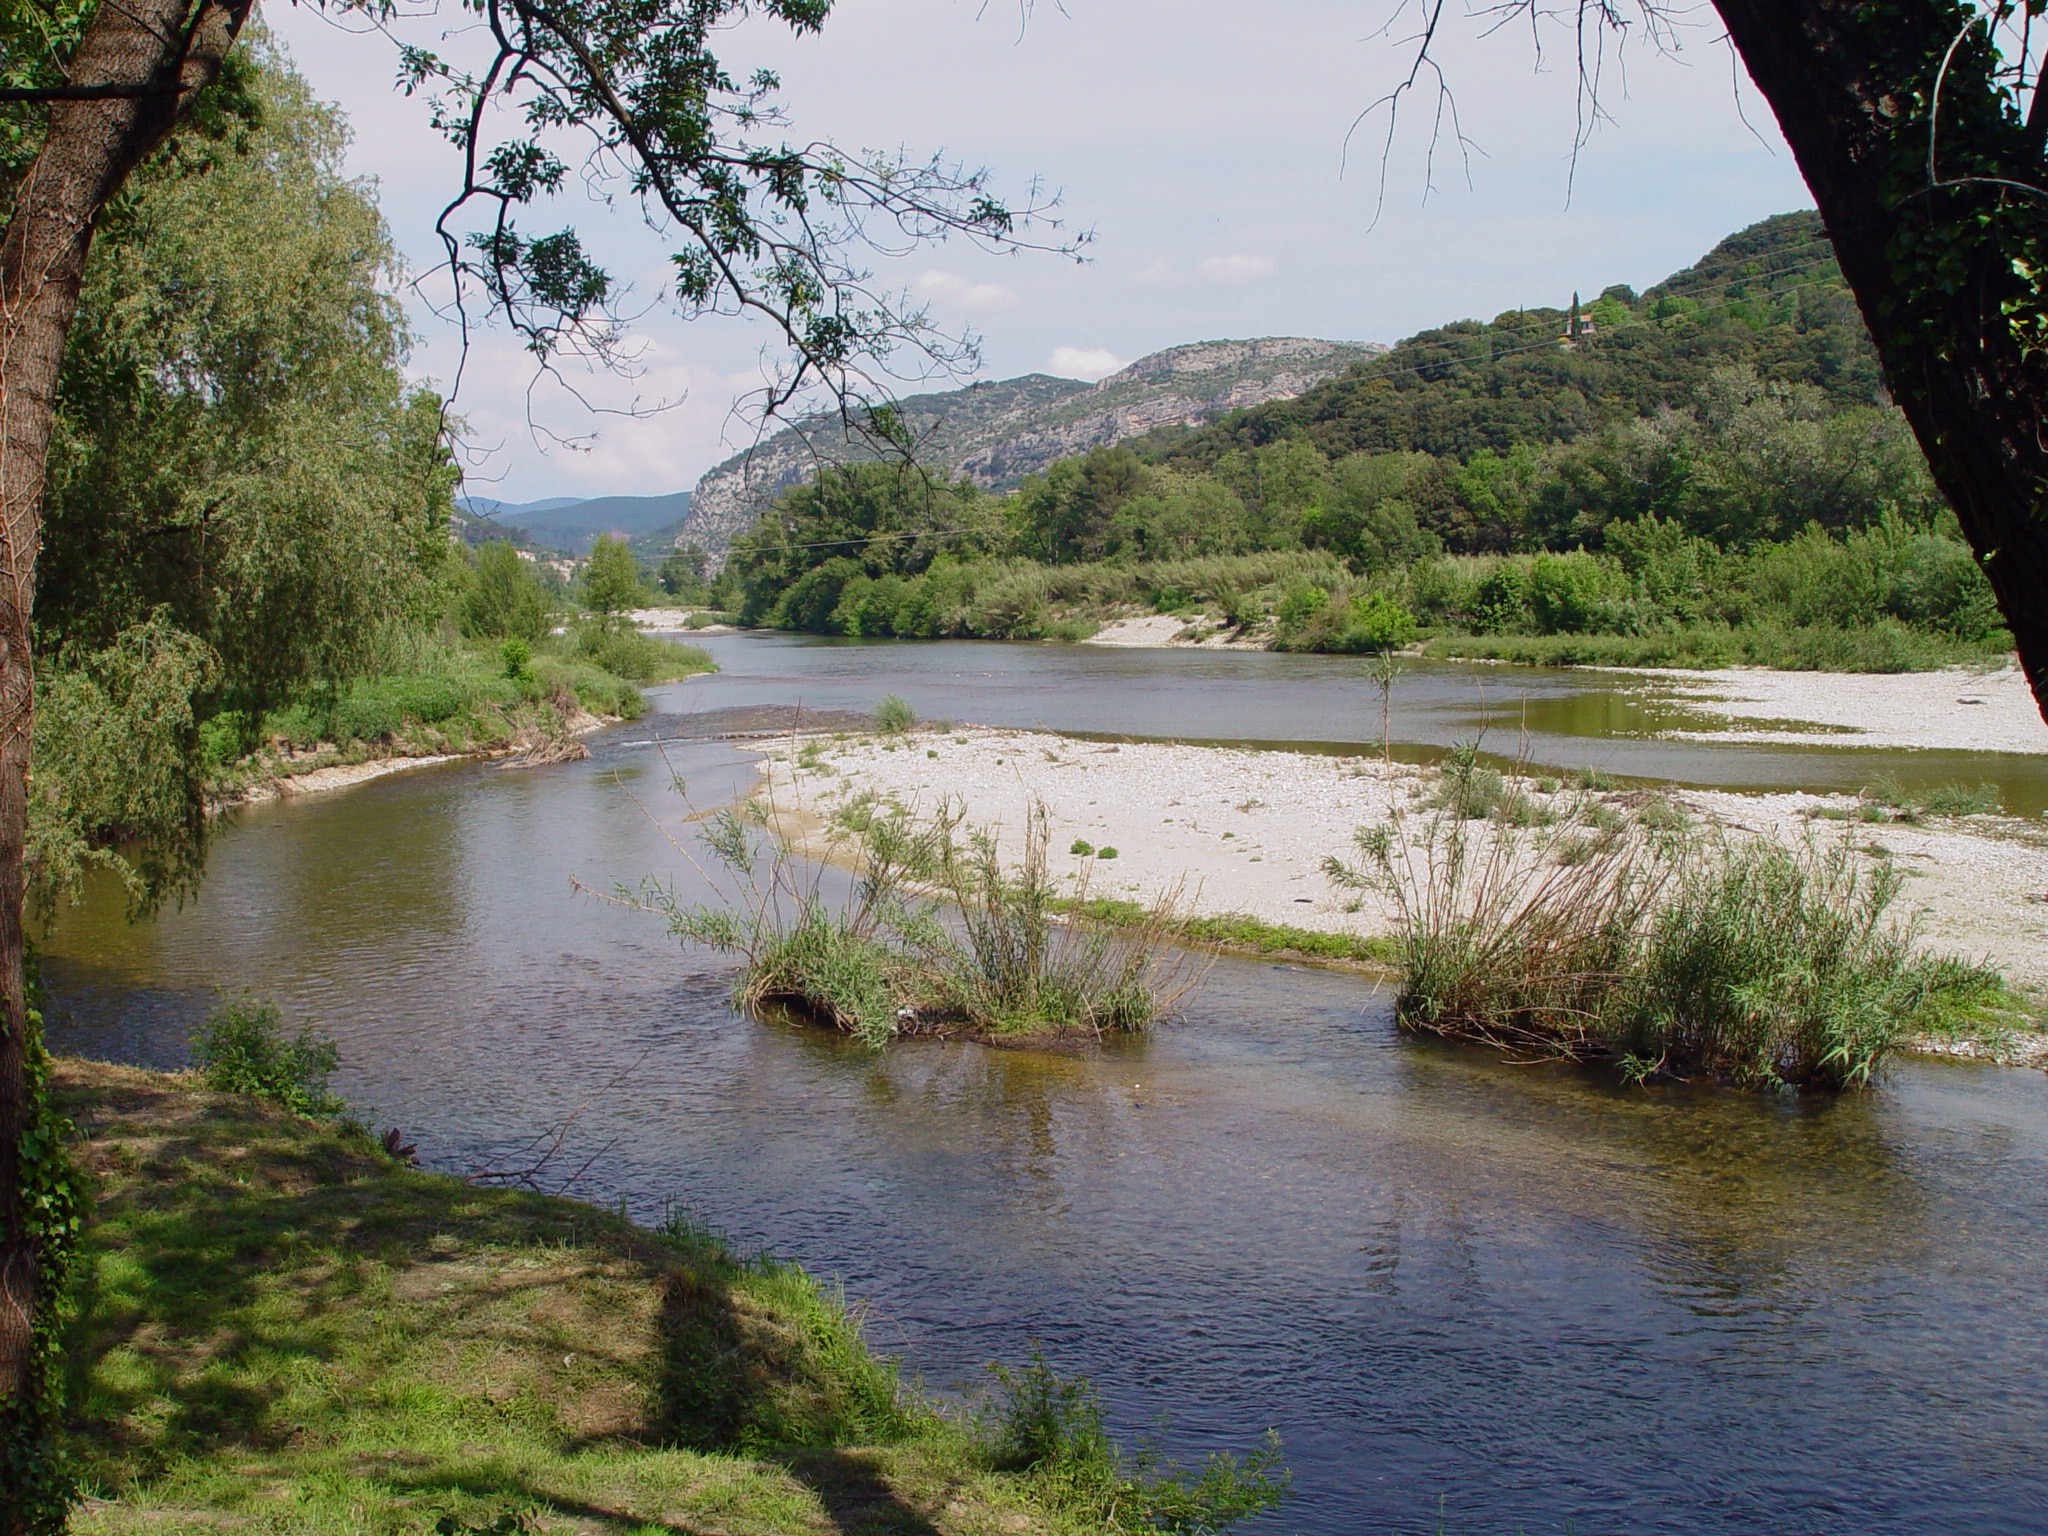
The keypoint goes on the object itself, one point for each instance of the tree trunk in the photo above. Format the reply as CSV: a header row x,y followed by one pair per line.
x,y
1932,266
90,148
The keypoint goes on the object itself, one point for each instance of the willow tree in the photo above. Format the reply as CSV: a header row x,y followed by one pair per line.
x,y
1921,127
626,95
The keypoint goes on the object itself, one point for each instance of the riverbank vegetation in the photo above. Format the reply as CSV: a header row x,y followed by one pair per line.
x,y
1543,920
247,567
281,1324
943,930
1700,475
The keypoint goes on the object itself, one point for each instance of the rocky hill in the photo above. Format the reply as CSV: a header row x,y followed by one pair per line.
x,y
999,432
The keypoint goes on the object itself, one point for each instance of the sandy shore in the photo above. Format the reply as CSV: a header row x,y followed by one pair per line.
x,y
1240,831
1161,631
315,781
1956,709
675,621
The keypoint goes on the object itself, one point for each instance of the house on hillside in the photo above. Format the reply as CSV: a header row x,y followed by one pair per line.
x,y
1578,327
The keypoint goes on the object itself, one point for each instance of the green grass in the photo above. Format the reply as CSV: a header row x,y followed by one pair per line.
x,y
1240,933
1883,647
284,1330
1664,951
458,699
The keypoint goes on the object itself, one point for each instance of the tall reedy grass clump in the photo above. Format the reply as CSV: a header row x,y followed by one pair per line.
x,y
935,933
835,959
1665,949
1782,966
999,955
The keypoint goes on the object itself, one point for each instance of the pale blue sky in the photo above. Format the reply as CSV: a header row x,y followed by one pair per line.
x,y
1206,152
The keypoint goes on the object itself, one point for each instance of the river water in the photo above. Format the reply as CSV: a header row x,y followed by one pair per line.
x,y
1517,1294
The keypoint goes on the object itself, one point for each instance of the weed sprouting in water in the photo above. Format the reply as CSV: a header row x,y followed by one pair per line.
x,y
242,1048
1051,1428
939,934
1668,951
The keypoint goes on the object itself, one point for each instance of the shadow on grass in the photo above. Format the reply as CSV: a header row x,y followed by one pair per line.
x,y
757,1360
239,1254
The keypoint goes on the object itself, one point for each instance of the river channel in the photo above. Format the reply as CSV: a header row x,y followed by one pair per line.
x,y
1512,1293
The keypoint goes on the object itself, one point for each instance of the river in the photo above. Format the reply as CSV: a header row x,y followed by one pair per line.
x,y
1545,1302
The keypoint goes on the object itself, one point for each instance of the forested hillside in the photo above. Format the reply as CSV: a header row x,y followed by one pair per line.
x,y
1705,472
995,433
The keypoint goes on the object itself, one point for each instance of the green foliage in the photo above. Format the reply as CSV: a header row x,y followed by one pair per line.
x,y
1768,299
118,776
1052,1427
1714,479
681,573
633,654
242,1048
893,716
517,657
235,444
1663,951
872,521
246,505
505,598
609,583
377,708
39,1477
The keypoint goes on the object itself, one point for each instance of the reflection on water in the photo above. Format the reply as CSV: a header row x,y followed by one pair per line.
x,y
1542,1299
1557,717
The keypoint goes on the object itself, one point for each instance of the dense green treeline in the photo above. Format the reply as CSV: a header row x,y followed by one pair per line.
x,y
246,555
1707,473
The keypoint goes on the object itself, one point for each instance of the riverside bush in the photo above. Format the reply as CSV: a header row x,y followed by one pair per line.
x,y
937,937
635,655
1666,952
893,716
1776,967
1052,1428
242,1048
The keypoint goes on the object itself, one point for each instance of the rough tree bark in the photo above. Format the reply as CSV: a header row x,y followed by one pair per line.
x,y
170,49
1935,247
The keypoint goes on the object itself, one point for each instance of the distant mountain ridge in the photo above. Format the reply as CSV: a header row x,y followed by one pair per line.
x,y
571,524
996,433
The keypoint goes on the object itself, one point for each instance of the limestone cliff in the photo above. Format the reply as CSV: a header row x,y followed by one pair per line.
x,y
999,432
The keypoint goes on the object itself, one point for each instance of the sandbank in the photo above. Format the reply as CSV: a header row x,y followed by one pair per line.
x,y
1952,710
1162,631
1246,831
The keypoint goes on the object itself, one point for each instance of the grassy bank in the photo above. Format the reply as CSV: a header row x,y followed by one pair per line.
x,y
284,1329
1239,933
1888,647
451,698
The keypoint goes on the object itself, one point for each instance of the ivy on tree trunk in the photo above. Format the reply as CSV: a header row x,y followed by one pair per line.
x,y
166,51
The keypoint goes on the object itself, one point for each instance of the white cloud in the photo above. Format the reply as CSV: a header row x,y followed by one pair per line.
x,y
1158,274
1236,269
963,292
1089,363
